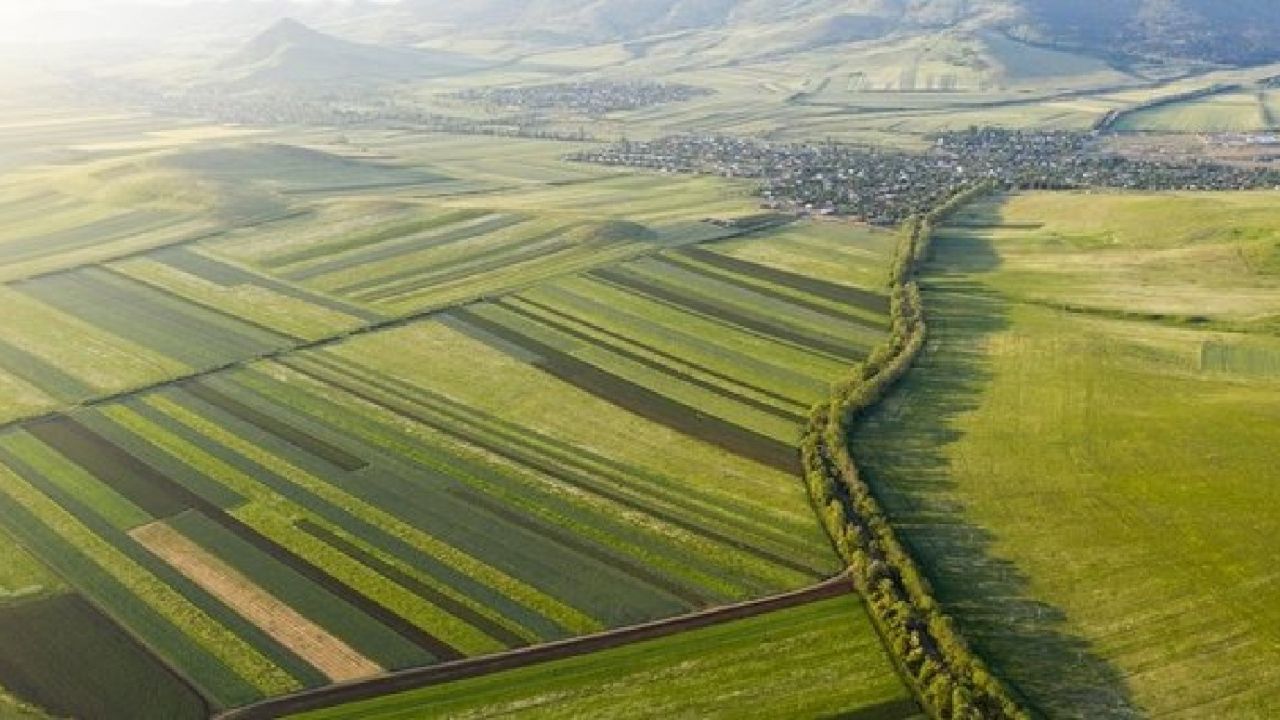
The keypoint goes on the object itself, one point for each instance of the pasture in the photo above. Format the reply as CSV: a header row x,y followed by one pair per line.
x,y
1245,111
818,660
1079,462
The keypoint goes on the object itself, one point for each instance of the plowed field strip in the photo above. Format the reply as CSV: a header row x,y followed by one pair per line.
x,y
331,656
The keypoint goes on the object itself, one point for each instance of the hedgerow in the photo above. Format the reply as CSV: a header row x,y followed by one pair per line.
x,y
950,681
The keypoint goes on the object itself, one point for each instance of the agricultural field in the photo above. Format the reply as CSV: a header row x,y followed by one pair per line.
x,y
1245,111
351,437
818,660
265,247
401,258
1080,460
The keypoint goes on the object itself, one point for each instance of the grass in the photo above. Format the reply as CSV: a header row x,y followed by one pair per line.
x,y
1086,487
22,576
820,660
1244,111
1188,255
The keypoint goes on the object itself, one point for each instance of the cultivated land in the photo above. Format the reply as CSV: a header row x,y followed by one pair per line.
x,y
818,660
1081,460
386,412
288,405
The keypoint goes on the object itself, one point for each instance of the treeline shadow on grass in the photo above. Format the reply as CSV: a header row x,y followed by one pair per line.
x,y
901,448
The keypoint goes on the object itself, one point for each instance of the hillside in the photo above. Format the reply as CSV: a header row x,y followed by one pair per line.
x,y
1237,32
291,55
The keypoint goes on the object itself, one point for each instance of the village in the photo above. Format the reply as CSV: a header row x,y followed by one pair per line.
x,y
884,187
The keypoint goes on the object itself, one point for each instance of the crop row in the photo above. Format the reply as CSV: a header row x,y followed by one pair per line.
x,y
604,450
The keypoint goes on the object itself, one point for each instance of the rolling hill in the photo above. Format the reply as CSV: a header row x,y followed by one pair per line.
x,y
1242,31
290,55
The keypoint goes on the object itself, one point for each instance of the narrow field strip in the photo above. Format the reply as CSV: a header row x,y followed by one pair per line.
x,y
734,318
435,235
875,302
687,389
337,660
622,347
645,402
580,469
548,652
268,523
672,358
835,311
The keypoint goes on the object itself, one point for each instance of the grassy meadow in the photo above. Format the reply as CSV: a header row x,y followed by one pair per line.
x,y
1246,111
819,660
1080,460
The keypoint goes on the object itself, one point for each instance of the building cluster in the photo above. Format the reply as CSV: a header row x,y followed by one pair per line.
x,y
884,186
593,98
333,108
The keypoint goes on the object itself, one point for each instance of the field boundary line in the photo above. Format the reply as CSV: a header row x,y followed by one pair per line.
x,y
417,678
388,323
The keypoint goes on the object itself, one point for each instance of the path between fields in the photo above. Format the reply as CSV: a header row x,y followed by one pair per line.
x,y
416,678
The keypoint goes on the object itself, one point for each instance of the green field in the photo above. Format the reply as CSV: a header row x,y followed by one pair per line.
x,y
819,660
400,418
1080,460
1242,112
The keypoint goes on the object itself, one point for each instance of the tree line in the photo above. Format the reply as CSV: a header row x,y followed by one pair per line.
x,y
948,678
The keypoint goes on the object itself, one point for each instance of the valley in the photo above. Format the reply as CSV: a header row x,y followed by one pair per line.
x,y
582,358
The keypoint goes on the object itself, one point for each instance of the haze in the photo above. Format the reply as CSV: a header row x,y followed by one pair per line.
x,y
639,359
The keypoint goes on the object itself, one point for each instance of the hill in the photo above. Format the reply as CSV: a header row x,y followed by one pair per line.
x,y
291,55
1239,32
1236,32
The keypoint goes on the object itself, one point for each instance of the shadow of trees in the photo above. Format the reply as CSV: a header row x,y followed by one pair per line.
x,y
901,449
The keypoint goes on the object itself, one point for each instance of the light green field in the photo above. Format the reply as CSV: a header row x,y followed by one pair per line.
x,y
1246,111
819,660
1088,489
21,575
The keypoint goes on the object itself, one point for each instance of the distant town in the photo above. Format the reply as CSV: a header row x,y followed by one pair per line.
x,y
593,98
884,187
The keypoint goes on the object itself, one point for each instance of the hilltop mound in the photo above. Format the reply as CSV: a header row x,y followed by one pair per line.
x,y
290,55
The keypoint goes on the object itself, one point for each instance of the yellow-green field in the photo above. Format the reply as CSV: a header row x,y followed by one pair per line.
x,y
1083,461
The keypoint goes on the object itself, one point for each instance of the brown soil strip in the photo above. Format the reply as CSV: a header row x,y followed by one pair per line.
x,y
439,674
152,491
645,402
844,294
727,315
338,661
277,427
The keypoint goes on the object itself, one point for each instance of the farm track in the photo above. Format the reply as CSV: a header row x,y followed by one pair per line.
x,y
417,678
